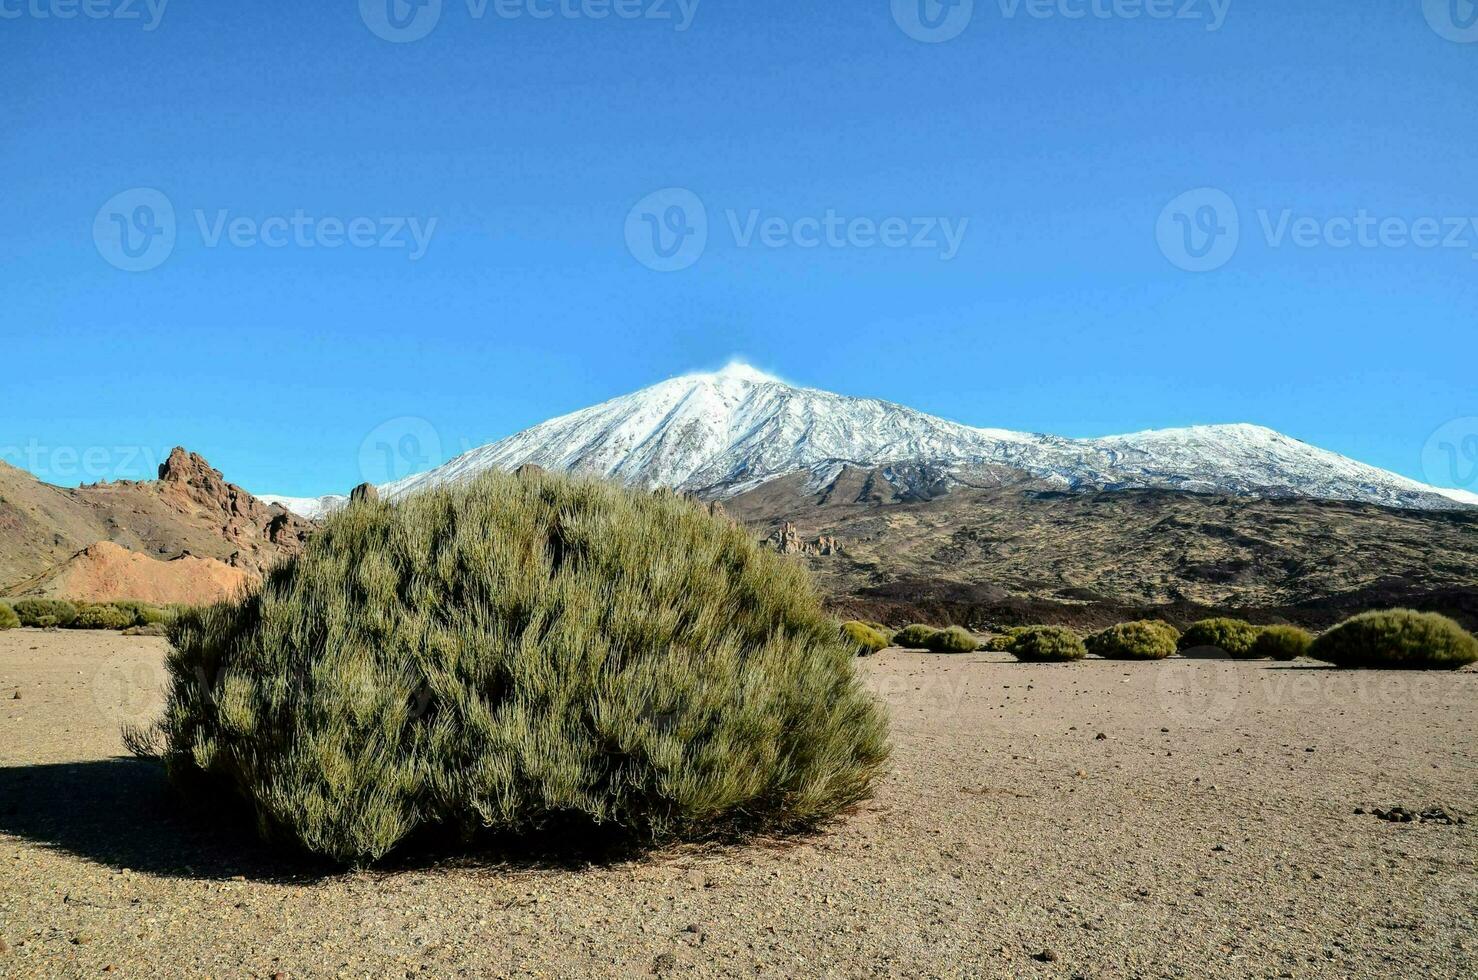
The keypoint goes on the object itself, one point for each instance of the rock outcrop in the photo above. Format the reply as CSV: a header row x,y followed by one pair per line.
x,y
364,493
788,541
261,534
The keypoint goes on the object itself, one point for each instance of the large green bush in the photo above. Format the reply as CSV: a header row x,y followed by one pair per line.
x,y
1282,642
1397,638
1047,644
953,639
914,637
45,612
523,654
1145,639
864,639
1233,636
8,619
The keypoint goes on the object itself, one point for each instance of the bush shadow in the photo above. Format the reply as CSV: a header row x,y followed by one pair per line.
x,y
121,813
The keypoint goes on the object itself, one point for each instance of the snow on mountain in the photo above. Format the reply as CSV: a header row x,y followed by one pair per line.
x,y
310,507
721,433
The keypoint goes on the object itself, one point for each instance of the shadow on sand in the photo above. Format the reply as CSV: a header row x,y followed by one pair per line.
x,y
122,813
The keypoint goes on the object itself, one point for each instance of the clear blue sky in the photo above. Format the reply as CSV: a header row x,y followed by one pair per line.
x,y
530,140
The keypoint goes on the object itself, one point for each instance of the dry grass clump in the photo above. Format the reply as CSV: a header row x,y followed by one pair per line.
x,y
1233,636
864,638
1047,644
952,639
8,619
1282,642
1145,639
1397,638
523,654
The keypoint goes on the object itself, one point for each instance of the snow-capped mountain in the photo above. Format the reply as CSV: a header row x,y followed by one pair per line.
x,y
721,433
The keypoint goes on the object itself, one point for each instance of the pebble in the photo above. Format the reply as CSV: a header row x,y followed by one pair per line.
x,y
664,962
1046,956
4,947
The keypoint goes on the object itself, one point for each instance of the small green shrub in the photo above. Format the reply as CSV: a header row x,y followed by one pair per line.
x,y
915,637
1397,638
515,655
1282,642
8,619
101,616
953,639
864,638
1047,644
45,613
1002,642
1233,636
883,630
1145,639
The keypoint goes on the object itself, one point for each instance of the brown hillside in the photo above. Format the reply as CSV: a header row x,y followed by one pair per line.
x,y
108,571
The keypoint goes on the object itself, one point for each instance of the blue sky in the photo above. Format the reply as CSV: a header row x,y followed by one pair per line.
x,y
1055,148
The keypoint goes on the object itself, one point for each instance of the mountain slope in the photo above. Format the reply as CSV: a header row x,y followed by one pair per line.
x,y
720,434
190,509
1022,552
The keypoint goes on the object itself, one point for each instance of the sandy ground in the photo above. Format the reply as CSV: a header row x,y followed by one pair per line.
x,y
1208,831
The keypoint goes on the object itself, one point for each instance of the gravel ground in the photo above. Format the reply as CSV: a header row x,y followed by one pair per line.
x,y
1193,818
